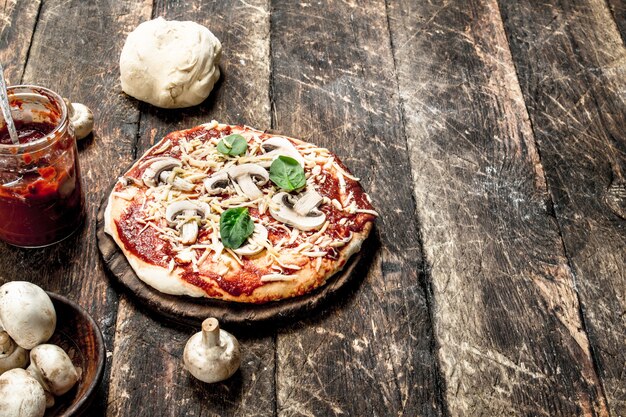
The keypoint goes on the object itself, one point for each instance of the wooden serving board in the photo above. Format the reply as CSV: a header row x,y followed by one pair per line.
x,y
192,311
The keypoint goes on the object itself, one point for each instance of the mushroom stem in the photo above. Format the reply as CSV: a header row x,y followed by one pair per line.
x,y
11,355
307,201
6,344
192,212
50,401
189,231
211,332
181,184
248,177
249,188
176,182
164,176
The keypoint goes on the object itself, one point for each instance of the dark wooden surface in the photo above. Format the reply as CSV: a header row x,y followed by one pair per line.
x,y
491,137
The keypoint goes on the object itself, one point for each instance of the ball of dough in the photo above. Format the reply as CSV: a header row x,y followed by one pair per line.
x,y
170,64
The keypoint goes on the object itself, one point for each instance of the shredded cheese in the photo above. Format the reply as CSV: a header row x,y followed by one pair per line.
x,y
372,212
343,172
164,147
124,195
314,254
234,256
278,277
198,163
342,184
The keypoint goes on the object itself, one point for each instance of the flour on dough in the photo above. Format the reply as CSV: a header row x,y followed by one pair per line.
x,y
170,64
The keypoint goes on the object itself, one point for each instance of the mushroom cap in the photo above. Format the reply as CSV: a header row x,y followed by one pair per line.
x,y
212,355
250,247
51,366
283,211
21,395
151,175
11,355
258,174
277,146
248,177
27,313
81,117
178,207
217,183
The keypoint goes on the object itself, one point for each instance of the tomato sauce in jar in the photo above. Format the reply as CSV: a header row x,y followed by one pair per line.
x,y
41,198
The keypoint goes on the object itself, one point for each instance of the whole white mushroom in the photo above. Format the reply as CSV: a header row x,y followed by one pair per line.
x,y
11,355
53,368
170,64
27,313
81,118
212,355
21,395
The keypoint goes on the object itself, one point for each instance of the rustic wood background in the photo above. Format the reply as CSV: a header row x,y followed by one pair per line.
x,y
491,137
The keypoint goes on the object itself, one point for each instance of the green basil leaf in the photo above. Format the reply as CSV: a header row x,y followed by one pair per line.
x,y
287,173
235,227
232,145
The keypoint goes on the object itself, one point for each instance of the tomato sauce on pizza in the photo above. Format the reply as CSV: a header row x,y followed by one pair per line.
x,y
301,211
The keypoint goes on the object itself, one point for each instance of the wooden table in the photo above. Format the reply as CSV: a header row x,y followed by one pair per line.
x,y
491,137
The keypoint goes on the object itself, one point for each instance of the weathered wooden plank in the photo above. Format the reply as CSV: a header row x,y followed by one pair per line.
x,y
74,53
506,313
334,84
148,378
148,354
618,8
17,23
572,68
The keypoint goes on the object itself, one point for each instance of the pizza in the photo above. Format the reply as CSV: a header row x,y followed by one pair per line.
x,y
237,214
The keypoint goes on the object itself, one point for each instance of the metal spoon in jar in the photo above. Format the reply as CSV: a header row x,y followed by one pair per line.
x,y
6,109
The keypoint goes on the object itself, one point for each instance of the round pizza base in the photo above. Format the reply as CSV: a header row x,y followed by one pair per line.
x,y
192,311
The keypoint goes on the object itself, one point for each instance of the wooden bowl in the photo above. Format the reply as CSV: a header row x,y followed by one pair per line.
x,y
79,335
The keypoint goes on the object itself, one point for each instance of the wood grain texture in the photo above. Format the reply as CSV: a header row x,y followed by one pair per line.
x,y
333,84
431,118
505,308
17,23
73,53
618,9
572,69
148,378
148,354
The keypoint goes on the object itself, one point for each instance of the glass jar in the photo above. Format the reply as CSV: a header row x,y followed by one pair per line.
x,y
41,198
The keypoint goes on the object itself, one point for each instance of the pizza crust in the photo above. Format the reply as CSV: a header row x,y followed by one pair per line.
x,y
210,279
